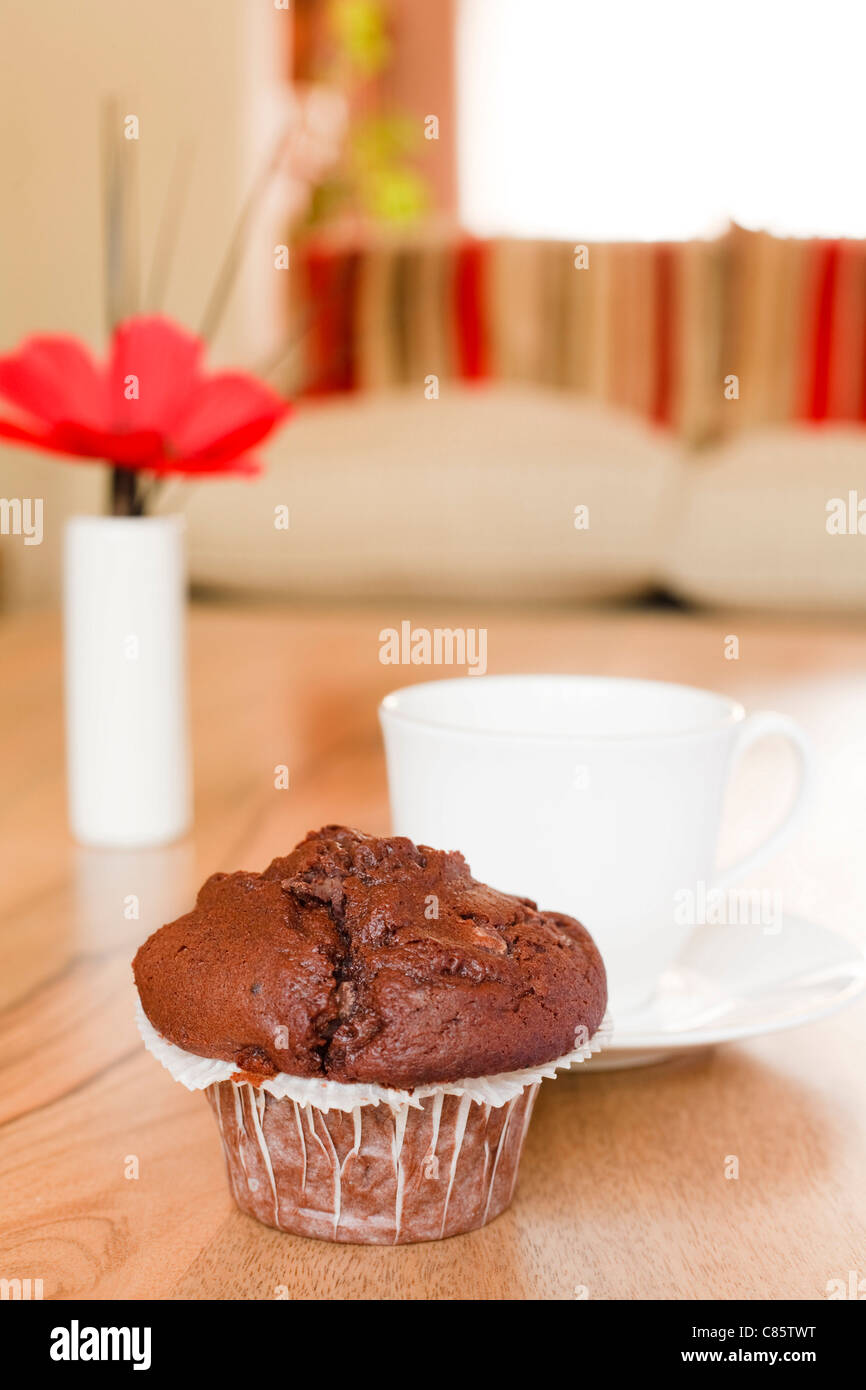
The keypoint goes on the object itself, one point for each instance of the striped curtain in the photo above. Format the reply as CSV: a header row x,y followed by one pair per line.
x,y
702,337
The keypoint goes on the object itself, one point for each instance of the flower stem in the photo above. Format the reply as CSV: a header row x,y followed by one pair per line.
x,y
228,270
124,493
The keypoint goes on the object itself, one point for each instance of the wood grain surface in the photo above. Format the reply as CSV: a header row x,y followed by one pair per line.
x,y
622,1191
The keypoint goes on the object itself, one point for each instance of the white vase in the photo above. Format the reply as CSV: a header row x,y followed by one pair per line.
x,y
126,710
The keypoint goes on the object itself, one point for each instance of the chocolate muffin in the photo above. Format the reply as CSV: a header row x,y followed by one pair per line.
x,y
343,998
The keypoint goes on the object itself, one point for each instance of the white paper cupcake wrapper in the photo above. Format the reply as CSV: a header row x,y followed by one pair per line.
x,y
197,1073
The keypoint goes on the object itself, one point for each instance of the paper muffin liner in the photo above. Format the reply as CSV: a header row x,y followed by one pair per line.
x,y
367,1164
198,1073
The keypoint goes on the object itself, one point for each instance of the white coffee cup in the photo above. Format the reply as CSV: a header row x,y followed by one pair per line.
x,y
596,796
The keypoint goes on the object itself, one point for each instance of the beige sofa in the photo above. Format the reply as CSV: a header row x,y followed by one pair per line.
x,y
474,495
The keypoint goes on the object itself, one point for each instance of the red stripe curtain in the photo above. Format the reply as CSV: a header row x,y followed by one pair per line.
x,y
701,337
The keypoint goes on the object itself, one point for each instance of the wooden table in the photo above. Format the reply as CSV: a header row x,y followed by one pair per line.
x,y
622,1190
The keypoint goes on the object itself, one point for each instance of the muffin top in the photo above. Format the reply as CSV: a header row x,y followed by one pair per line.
x,y
359,959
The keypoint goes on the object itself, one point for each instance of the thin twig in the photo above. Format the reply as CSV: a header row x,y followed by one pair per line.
x,y
122,240
122,265
148,493
268,368
129,164
112,214
312,314
123,485
169,227
231,262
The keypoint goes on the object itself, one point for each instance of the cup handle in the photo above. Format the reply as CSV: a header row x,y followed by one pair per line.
x,y
754,728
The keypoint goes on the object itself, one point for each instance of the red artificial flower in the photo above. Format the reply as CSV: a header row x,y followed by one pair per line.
x,y
150,407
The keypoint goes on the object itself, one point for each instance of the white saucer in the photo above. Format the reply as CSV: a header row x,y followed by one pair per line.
x,y
737,982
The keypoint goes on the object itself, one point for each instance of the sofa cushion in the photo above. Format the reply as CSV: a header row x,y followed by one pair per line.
x,y
472,494
752,524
